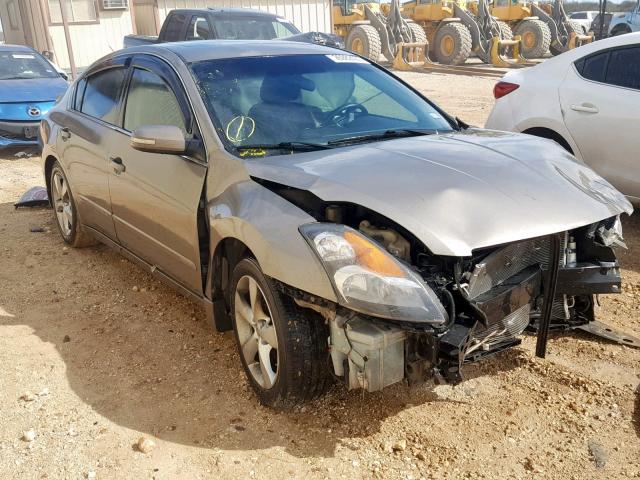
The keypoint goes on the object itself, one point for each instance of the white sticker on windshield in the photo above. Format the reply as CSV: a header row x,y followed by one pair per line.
x,y
345,58
435,115
20,55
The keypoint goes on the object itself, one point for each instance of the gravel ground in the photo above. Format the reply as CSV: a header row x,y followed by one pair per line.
x,y
97,355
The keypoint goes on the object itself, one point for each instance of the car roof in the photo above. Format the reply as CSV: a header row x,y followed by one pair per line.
x,y
15,48
218,49
247,12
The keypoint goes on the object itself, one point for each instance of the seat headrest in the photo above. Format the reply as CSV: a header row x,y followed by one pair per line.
x,y
277,88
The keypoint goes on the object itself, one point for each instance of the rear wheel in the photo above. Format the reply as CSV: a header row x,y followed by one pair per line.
x,y
536,38
282,346
65,209
452,44
364,40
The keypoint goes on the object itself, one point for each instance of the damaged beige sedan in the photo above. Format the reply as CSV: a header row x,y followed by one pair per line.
x,y
337,221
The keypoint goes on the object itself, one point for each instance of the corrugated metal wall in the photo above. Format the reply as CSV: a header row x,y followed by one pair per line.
x,y
307,15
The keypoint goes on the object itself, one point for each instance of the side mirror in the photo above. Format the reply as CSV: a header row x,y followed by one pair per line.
x,y
159,139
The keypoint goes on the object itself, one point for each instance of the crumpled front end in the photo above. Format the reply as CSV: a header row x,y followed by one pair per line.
x,y
491,299
19,122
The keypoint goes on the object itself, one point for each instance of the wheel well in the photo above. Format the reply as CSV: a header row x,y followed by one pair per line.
x,y
226,256
48,165
551,135
621,28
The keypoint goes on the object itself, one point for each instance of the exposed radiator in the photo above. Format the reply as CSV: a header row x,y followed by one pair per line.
x,y
506,329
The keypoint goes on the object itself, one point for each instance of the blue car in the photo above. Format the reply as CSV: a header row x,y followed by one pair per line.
x,y
29,86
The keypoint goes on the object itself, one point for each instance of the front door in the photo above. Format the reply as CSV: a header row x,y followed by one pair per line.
x,y
600,101
155,197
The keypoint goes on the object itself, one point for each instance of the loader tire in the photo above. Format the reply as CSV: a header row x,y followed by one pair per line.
x,y
505,34
452,44
418,35
364,40
571,25
536,38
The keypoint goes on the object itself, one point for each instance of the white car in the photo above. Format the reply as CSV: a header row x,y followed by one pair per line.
x,y
583,19
588,101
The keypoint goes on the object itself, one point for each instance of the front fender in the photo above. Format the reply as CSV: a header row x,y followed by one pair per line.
x,y
268,225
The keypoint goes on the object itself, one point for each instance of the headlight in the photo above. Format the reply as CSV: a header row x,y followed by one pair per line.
x,y
370,280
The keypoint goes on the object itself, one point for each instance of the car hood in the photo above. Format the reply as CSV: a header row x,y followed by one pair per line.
x,y
456,192
32,90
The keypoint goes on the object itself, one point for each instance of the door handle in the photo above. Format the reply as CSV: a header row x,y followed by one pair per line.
x,y
65,134
118,166
585,107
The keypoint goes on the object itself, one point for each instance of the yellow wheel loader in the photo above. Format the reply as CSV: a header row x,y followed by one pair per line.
x,y
455,32
542,27
372,29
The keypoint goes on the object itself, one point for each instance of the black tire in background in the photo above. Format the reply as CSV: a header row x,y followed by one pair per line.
x,y
364,40
418,35
452,44
302,370
536,38
505,34
571,26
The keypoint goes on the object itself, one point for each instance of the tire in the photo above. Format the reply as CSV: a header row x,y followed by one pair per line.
x,y
505,34
617,30
452,44
571,26
364,40
65,210
536,38
418,35
300,336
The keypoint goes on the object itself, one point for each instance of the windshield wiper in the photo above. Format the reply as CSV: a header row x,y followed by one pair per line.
x,y
292,146
392,133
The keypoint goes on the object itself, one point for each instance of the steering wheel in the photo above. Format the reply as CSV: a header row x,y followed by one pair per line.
x,y
347,114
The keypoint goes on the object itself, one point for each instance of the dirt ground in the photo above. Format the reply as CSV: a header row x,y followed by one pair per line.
x,y
96,354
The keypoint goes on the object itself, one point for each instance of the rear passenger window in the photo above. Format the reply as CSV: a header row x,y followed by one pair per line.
x,y
101,94
151,102
79,94
174,28
624,68
593,67
199,29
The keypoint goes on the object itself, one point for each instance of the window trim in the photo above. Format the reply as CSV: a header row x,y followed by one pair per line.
x,y
83,22
608,51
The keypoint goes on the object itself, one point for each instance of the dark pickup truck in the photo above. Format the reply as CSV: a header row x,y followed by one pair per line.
x,y
229,24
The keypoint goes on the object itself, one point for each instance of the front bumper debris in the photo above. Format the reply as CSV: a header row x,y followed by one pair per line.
x,y
18,134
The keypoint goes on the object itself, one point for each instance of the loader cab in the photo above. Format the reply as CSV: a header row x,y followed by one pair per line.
x,y
346,7
511,10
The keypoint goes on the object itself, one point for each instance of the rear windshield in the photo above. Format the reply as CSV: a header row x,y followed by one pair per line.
x,y
319,99
248,28
24,65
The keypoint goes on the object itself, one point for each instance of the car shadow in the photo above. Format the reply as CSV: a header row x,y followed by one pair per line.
x,y
145,357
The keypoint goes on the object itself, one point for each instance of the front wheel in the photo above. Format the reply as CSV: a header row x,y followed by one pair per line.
x,y
282,346
66,211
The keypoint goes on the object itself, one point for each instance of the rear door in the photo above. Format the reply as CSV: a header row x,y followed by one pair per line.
x,y
155,197
600,99
87,131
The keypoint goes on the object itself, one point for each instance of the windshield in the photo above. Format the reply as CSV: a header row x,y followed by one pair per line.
x,y
317,100
24,65
244,28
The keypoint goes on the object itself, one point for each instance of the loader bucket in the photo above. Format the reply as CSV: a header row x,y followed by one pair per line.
x,y
576,40
500,60
410,56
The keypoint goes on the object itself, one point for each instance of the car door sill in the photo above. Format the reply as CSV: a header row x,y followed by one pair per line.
x,y
152,269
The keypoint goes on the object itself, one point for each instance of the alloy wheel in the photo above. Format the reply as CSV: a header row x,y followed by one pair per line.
x,y
62,203
256,332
